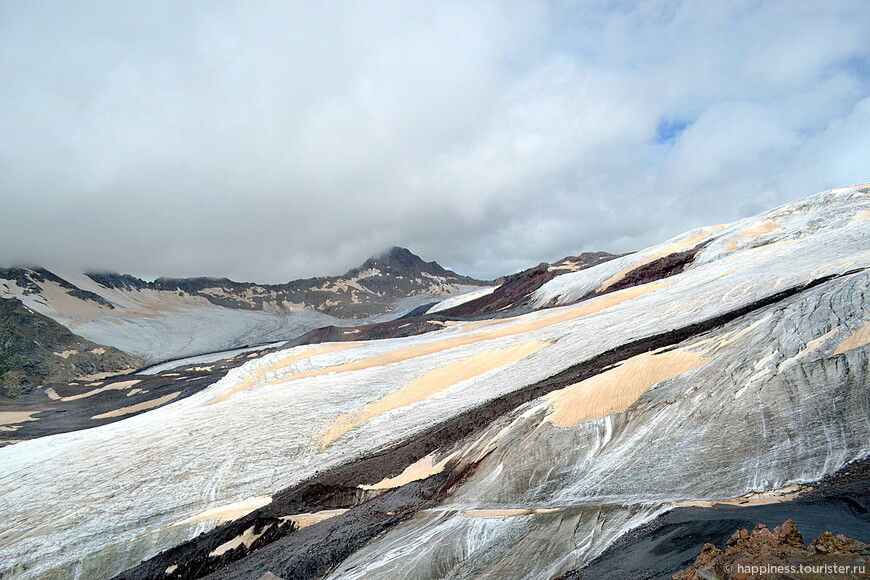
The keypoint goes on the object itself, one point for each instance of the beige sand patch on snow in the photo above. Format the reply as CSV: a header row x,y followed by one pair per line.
x,y
759,229
542,319
596,305
138,407
615,390
857,339
10,417
812,346
65,354
766,247
421,469
424,387
228,512
105,375
63,303
780,495
310,518
751,233
247,538
119,386
538,320
567,267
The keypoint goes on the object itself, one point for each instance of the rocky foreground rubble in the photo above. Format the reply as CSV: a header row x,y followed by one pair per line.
x,y
780,553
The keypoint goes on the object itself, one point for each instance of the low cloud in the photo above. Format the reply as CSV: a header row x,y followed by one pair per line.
x,y
268,141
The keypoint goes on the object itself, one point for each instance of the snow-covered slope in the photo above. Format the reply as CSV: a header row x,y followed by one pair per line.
x,y
743,371
816,220
461,299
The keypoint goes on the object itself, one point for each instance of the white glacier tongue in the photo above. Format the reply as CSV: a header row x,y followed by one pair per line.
x,y
774,391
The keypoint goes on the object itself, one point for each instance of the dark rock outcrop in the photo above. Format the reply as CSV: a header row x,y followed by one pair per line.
x,y
513,296
780,553
35,349
663,267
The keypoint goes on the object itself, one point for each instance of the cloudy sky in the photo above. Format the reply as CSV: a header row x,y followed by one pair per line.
x,y
267,141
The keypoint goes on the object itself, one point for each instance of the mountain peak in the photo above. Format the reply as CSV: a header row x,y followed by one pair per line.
x,y
395,260
399,272
398,253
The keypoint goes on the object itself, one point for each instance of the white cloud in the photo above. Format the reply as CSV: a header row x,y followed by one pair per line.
x,y
271,140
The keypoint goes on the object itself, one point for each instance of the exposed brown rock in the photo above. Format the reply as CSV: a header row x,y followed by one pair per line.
x,y
664,267
35,350
513,296
780,553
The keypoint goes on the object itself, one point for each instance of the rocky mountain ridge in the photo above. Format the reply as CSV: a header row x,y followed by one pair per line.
x,y
766,553
177,317
35,350
361,292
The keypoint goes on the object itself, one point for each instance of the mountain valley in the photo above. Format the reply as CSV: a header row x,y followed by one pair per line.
x,y
603,416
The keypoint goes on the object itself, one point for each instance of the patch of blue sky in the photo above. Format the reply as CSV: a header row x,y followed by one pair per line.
x,y
668,129
857,66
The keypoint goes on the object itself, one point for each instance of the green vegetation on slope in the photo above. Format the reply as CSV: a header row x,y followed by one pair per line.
x,y
35,350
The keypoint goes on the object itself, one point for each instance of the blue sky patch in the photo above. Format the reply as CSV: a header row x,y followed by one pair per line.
x,y
668,129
